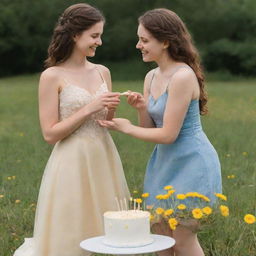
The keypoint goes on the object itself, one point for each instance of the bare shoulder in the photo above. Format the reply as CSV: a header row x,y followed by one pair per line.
x,y
149,75
50,77
184,78
104,70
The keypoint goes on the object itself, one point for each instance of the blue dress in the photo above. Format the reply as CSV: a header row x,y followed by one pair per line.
x,y
190,164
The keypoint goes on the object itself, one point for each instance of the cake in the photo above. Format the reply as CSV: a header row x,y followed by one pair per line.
x,y
127,228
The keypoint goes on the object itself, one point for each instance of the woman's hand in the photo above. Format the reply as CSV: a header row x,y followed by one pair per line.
x,y
108,100
136,100
117,124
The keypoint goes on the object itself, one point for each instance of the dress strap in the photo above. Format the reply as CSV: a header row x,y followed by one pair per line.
x,y
175,70
100,74
149,88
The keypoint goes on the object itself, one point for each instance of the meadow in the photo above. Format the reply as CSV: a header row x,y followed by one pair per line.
x,y
230,125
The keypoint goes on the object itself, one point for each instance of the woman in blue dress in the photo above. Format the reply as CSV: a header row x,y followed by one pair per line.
x,y
169,115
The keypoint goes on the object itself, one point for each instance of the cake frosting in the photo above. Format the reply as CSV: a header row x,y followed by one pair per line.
x,y
127,228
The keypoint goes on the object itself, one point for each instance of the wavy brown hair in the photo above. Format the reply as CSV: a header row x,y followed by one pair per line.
x,y
166,26
74,20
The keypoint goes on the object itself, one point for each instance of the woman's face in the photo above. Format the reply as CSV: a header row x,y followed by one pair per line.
x,y
150,47
88,41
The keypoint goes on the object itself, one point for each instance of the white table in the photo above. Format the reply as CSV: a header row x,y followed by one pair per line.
x,y
96,245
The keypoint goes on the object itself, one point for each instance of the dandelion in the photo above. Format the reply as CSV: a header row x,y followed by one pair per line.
x,y
173,223
228,155
168,187
221,196
1,196
170,192
9,178
224,210
245,153
159,197
249,218
166,196
13,177
138,200
159,211
197,213
181,206
207,210
168,212
145,195
17,201
181,196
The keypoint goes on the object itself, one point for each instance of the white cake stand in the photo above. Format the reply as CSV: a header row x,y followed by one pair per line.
x,y
96,245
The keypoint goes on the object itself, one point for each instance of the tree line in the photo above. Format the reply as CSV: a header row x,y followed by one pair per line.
x,y
224,31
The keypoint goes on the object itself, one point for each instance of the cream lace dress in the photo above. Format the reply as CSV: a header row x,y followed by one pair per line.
x,y
83,176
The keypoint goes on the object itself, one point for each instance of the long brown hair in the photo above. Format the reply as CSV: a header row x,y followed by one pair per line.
x,y
74,20
166,26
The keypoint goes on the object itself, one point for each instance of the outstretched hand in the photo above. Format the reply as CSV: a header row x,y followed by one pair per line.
x,y
135,99
117,124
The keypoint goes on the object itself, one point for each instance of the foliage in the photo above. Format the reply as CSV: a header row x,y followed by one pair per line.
x,y
224,31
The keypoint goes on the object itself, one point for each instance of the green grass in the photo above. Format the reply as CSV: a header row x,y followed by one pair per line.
x,y
230,126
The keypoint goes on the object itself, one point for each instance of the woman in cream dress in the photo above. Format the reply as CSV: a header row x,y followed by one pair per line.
x,y
84,174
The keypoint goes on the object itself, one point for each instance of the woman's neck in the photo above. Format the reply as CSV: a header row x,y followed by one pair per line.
x,y
165,64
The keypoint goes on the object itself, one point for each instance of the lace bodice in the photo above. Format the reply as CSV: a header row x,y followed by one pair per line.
x,y
72,98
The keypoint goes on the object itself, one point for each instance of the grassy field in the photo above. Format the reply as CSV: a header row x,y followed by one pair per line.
x,y
230,125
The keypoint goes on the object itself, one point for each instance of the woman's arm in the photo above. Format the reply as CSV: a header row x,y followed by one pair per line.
x,y
52,128
140,102
180,93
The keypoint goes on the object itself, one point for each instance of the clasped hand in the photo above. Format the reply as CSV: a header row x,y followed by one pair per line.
x,y
109,100
137,101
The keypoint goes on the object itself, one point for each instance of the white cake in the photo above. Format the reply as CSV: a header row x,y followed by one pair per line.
x,y
127,228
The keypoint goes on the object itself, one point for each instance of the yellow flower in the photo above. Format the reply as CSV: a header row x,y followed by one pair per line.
x,y
159,211
159,197
207,210
9,178
138,200
197,213
13,177
168,187
166,196
145,195
168,212
228,155
191,194
170,192
181,206
224,210
249,218
181,196
1,196
232,176
135,191
205,198
21,134
173,223
245,154
17,201
221,196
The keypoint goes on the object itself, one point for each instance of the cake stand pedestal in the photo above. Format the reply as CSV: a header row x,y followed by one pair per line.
x,y
96,245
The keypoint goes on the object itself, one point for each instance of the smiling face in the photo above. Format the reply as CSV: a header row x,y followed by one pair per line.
x,y
150,47
89,40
